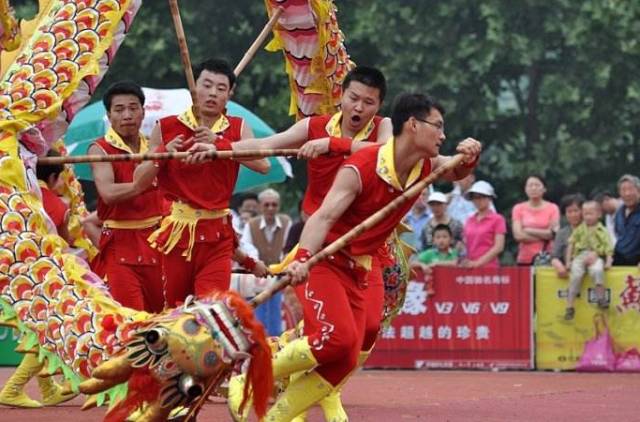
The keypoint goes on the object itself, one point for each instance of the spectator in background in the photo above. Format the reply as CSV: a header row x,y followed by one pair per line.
x,y
609,204
534,222
484,231
249,204
589,250
627,222
438,205
460,208
440,254
267,232
572,208
296,230
417,219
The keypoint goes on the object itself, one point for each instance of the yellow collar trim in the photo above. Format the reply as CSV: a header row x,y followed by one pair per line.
x,y
386,167
115,140
189,120
334,128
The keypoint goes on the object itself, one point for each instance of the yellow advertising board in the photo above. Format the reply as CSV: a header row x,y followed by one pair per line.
x,y
560,343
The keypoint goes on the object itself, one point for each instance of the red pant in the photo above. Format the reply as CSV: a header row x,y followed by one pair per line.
x,y
208,270
374,298
334,319
133,269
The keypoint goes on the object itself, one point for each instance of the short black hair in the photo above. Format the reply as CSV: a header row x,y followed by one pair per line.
x,y
216,66
249,195
408,105
601,195
535,176
369,76
571,199
122,88
442,228
44,171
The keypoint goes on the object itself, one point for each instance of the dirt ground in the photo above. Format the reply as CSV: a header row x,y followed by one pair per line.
x,y
389,396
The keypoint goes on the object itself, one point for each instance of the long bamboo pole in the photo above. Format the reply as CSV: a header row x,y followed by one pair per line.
x,y
251,52
220,155
367,224
184,55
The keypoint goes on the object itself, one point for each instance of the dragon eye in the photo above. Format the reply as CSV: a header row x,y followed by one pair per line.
x,y
191,327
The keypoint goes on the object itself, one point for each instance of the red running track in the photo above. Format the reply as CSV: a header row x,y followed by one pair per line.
x,y
389,396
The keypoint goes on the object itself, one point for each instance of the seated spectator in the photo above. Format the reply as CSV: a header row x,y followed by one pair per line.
x,y
572,207
440,254
438,205
484,231
417,218
610,205
627,222
589,250
534,222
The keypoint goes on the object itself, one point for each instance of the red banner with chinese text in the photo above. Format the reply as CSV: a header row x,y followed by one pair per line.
x,y
477,318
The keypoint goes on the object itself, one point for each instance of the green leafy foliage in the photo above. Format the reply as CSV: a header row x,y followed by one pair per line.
x,y
549,87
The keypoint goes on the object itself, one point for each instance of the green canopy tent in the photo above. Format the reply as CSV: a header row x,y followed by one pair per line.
x,y
91,123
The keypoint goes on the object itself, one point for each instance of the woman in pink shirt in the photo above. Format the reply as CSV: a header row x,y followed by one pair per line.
x,y
484,231
534,222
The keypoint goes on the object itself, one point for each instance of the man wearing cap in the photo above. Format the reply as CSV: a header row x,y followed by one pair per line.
x,y
484,231
438,204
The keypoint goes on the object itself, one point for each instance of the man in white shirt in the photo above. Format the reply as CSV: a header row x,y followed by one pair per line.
x,y
610,205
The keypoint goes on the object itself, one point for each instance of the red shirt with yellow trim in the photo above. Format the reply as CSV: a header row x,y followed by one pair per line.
x,y
379,186
127,246
207,185
147,204
322,170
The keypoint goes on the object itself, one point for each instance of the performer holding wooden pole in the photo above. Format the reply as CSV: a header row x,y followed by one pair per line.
x,y
129,212
326,141
335,287
197,238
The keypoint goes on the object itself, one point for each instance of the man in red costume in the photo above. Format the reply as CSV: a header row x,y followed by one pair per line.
x,y
336,287
326,141
128,211
196,237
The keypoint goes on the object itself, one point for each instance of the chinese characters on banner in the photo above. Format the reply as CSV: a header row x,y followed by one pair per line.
x,y
475,319
559,343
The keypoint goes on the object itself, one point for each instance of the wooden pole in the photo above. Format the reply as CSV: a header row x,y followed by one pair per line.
x,y
194,409
184,55
251,52
220,155
367,224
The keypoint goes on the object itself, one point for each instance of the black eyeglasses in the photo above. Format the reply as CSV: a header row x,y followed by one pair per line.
x,y
439,125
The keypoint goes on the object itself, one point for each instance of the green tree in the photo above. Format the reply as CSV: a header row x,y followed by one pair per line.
x,y
550,87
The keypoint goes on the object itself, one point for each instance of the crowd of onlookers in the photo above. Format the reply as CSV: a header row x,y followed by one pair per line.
x,y
463,228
